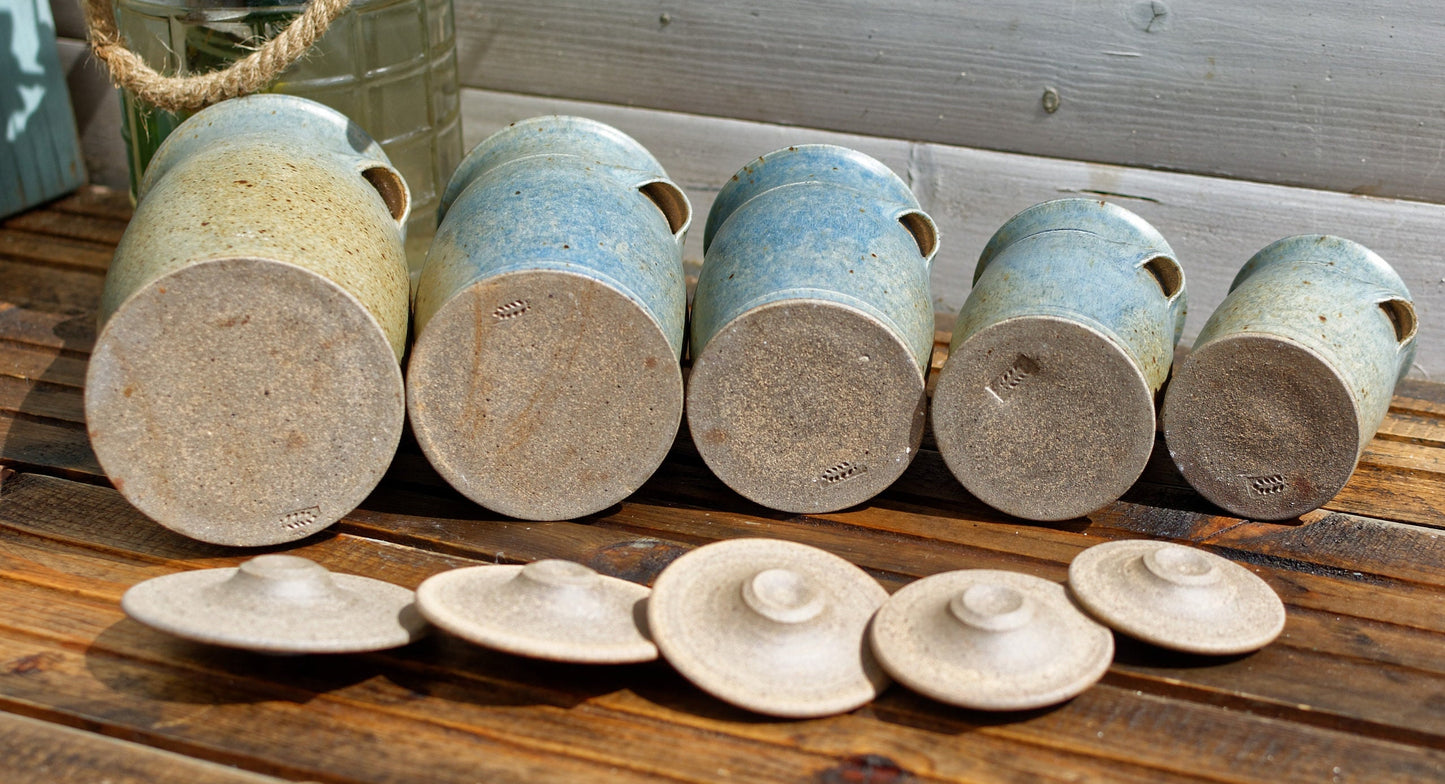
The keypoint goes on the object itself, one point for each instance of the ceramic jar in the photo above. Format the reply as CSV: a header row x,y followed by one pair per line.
x,y
390,65
812,328
1290,377
244,387
545,381
1045,407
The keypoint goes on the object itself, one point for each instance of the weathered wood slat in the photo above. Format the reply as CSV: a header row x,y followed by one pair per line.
x,y
1339,98
1366,699
1412,425
31,363
61,252
84,621
71,333
70,224
244,721
41,399
1379,491
38,752
47,568
48,447
49,288
183,700
97,202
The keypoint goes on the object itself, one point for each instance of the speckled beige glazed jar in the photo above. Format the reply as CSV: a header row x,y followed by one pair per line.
x,y
245,386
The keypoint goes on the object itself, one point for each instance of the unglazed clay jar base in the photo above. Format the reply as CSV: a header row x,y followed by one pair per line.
x,y
770,626
1262,426
278,604
1176,597
549,609
806,406
990,640
1043,418
544,395
243,401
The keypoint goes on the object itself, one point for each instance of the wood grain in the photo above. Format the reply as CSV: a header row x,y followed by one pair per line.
x,y
63,584
38,752
1369,696
1338,97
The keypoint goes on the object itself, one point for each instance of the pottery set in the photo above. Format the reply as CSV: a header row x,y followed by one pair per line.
x,y
774,627
245,386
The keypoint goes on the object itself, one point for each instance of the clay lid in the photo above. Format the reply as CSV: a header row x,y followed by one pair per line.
x,y
1043,418
806,405
550,609
1302,425
278,604
1176,597
990,640
774,627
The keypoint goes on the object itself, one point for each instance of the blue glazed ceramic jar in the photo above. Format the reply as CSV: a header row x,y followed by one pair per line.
x,y
812,328
1291,377
545,380
1045,407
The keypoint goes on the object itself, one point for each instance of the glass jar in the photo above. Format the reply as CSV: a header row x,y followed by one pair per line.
x,y
389,65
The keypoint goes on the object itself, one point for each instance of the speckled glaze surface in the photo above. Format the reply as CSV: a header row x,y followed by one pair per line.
x,y
990,640
1176,597
1290,377
245,388
812,328
771,626
278,604
549,609
545,382
1045,407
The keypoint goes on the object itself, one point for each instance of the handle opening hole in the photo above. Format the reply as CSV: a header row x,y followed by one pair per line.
x,y
391,187
1402,317
923,231
1167,274
671,201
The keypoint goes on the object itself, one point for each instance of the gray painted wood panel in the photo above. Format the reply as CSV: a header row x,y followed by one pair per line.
x,y
1214,224
97,114
1330,94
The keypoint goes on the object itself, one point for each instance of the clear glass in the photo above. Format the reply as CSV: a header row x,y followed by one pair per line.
x,y
390,65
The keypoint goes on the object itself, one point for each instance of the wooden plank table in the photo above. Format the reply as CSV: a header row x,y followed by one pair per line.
x,y
1354,690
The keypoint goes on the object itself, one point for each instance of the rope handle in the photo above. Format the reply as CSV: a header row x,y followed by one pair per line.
x,y
186,93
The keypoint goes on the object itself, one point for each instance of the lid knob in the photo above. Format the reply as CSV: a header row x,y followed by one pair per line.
x,y
992,607
782,595
285,577
1181,566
